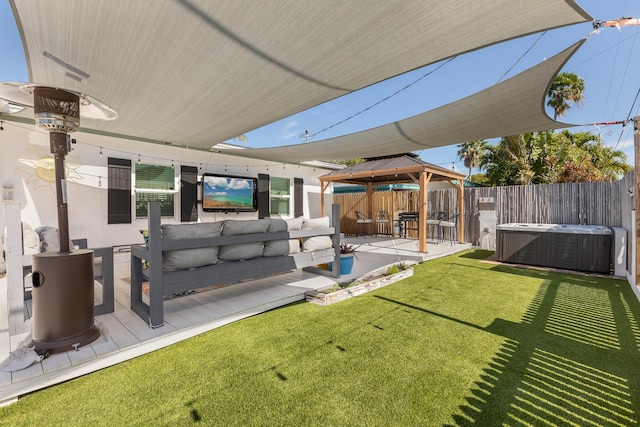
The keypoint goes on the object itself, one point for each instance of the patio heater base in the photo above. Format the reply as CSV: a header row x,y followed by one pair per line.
x,y
63,301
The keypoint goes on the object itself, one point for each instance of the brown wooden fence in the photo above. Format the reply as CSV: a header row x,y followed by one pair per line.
x,y
597,203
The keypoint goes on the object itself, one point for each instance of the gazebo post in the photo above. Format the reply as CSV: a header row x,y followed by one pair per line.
x,y
636,197
422,212
370,204
323,186
393,214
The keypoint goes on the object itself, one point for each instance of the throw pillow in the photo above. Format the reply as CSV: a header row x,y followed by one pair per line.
x,y
316,243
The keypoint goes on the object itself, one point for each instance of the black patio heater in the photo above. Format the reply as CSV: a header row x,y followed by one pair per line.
x,y
62,292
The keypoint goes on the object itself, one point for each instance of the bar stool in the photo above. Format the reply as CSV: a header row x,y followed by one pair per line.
x,y
362,220
434,222
451,224
382,217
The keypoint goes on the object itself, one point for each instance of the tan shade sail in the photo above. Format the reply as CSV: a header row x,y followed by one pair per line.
x,y
197,73
512,107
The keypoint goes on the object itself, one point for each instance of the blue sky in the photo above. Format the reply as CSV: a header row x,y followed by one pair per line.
x,y
609,62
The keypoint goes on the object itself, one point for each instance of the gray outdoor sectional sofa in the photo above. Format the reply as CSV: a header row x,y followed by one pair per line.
x,y
183,257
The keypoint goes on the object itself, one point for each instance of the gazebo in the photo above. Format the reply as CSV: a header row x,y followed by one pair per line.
x,y
399,169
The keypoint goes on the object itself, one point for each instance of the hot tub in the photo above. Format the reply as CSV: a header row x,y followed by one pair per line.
x,y
565,246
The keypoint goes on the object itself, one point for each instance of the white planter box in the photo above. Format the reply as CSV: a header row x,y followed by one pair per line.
x,y
370,282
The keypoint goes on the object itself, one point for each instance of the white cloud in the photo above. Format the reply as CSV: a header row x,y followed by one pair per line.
x,y
290,130
238,184
290,124
223,183
624,143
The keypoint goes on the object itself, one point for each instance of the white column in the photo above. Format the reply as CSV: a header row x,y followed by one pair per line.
x,y
15,278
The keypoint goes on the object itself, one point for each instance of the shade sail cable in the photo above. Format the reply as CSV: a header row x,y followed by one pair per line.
x,y
383,99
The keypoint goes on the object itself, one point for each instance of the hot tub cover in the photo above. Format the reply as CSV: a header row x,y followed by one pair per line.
x,y
556,228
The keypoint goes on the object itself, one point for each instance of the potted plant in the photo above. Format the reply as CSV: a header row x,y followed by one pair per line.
x,y
347,253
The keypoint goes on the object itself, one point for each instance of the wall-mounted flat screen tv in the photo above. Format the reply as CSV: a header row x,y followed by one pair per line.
x,y
227,193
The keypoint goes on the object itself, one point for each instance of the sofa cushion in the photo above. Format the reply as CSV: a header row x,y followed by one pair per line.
x,y
184,259
276,247
50,240
311,223
292,225
276,225
30,240
243,251
232,226
294,246
316,243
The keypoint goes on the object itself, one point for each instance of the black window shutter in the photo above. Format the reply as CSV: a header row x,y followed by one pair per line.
x,y
119,191
188,193
263,195
298,197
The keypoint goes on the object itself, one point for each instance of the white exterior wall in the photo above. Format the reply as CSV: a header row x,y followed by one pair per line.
x,y
24,145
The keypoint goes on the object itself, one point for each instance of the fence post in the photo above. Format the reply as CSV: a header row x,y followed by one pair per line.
x,y
636,191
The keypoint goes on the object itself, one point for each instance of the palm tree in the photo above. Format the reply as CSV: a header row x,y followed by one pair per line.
x,y
566,89
520,152
510,161
241,138
610,163
471,153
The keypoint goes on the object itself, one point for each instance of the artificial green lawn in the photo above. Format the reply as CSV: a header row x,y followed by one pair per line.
x,y
462,342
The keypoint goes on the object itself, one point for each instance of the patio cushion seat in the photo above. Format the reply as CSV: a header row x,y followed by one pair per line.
x,y
312,244
243,251
276,247
184,259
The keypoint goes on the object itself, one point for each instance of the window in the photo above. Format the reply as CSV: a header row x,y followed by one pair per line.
x,y
280,196
154,184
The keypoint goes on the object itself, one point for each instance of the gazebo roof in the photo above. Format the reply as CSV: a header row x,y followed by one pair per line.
x,y
390,169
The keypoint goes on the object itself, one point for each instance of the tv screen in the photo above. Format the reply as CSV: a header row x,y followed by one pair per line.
x,y
227,193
